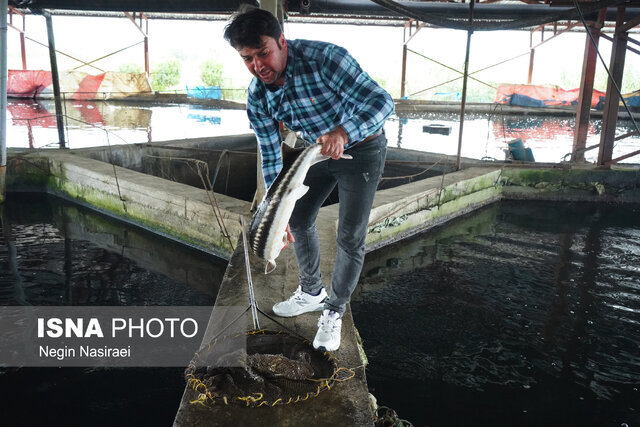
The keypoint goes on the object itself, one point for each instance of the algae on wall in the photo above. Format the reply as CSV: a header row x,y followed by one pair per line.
x,y
572,184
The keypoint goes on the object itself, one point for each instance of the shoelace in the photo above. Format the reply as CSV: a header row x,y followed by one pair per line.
x,y
297,296
327,323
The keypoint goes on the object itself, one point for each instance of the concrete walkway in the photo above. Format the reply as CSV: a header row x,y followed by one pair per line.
x,y
347,403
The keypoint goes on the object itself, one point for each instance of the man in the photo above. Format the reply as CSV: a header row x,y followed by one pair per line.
x,y
320,91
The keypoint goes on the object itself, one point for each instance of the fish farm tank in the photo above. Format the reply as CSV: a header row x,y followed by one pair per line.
x,y
516,314
53,253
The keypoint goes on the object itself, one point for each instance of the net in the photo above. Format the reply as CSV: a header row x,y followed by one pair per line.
x,y
261,368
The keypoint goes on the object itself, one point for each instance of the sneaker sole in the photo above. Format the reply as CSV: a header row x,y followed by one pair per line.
x,y
310,309
323,348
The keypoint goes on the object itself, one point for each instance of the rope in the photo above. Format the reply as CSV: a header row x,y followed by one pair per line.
x,y
453,69
414,175
211,195
385,219
115,174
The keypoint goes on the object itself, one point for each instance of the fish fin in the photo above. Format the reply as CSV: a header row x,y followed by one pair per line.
x,y
289,155
271,265
346,156
291,140
299,191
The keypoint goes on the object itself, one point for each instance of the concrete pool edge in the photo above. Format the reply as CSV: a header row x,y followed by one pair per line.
x,y
174,210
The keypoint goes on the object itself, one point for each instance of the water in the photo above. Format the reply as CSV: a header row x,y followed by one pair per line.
x,y
520,314
55,253
32,124
486,136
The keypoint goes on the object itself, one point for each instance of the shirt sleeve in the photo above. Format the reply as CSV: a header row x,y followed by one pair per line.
x,y
373,103
268,134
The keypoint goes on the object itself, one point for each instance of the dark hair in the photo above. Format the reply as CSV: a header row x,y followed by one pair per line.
x,y
247,28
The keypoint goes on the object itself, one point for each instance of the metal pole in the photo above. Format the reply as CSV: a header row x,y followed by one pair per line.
x,y
252,298
610,115
404,70
464,83
3,98
532,54
586,90
55,78
146,55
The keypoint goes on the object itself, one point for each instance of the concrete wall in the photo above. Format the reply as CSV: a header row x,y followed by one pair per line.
x,y
172,209
186,212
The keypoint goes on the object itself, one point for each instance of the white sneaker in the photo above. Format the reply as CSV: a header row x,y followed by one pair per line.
x,y
300,302
329,329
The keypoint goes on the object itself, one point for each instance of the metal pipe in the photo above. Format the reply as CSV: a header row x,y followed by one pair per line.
x,y
532,54
404,71
4,4
55,78
583,109
464,85
146,55
350,7
610,115
452,10
23,51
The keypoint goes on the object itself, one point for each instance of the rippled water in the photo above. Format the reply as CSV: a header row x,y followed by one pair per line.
x,y
55,253
521,314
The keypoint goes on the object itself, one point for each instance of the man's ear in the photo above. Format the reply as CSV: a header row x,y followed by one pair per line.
x,y
282,41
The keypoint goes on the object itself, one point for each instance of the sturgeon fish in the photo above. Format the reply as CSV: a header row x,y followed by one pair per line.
x,y
267,231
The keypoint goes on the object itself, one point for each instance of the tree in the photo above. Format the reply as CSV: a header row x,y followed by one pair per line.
x,y
211,73
165,75
130,68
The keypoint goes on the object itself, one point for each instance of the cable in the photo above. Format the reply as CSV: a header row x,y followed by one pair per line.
x,y
442,20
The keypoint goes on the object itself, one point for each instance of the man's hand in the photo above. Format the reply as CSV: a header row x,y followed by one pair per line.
x,y
290,238
333,143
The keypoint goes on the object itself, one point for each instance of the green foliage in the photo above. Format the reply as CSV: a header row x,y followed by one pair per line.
x,y
165,75
130,68
211,73
631,79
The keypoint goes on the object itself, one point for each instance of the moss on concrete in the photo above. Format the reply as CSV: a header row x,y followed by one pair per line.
x,y
134,212
589,184
532,177
27,174
469,186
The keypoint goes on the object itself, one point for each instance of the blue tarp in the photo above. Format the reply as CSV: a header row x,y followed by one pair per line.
x,y
204,92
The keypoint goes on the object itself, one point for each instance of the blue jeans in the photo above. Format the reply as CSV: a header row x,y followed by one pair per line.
x,y
357,181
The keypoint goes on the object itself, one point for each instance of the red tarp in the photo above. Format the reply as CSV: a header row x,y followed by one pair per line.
x,y
77,84
27,83
541,96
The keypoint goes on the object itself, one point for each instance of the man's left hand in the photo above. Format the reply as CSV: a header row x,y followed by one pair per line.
x,y
333,143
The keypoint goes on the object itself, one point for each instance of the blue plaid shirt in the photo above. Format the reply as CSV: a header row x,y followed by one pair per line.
x,y
324,87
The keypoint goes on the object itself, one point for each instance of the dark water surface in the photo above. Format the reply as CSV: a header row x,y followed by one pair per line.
x,y
55,253
520,314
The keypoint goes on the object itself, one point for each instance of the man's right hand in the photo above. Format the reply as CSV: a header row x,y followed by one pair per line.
x,y
290,238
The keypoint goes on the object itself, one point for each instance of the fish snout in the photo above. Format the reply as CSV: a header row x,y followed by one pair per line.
x,y
271,265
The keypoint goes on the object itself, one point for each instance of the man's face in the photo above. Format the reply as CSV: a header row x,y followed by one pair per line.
x,y
268,62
